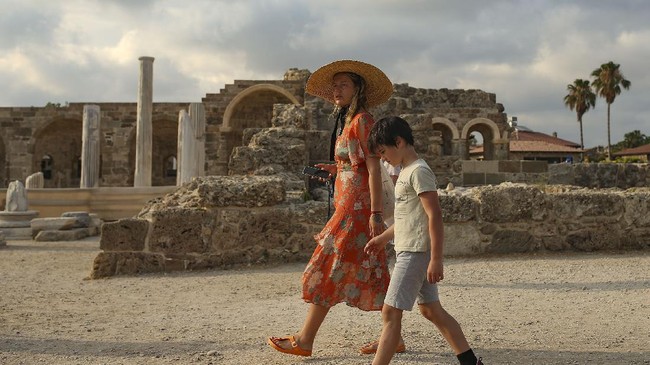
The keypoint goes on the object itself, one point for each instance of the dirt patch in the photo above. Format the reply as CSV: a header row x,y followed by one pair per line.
x,y
565,308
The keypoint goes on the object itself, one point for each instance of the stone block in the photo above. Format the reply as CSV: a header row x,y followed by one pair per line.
x,y
472,179
510,166
511,241
3,240
462,239
124,235
52,224
495,178
457,208
83,218
178,230
510,203
69,235
534,166
126,263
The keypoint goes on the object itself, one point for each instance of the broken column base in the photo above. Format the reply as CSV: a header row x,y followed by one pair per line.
x,y
17,225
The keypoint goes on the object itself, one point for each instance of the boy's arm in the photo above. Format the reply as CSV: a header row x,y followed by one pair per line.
x,y
379,242
431,205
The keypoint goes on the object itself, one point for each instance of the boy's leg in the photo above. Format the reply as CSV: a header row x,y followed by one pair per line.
x,y
447,325
390,335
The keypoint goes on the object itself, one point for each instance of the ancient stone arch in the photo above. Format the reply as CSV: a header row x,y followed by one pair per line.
x,y
490,132
449,134
251,108
164,144
61,140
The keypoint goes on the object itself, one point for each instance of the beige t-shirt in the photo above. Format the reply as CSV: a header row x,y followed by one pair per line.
x,y
411,221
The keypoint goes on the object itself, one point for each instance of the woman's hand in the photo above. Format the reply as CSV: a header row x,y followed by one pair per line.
x,y
376,224
329,167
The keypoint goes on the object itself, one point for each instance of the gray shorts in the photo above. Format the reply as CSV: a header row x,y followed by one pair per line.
x,y
408,281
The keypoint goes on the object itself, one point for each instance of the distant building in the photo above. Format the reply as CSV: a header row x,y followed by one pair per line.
x,y
641,152
526,144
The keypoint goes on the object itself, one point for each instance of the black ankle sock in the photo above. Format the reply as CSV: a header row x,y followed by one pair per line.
x,y
467,358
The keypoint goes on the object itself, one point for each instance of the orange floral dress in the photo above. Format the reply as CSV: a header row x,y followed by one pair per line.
x,y
339,270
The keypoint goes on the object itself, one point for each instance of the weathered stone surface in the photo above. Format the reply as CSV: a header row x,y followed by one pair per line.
x,y
16,197
124,235
519,218
510,203
53,224
35,181
69,235
126,263
509,241
180,230
291,116
3,240
457,208
223,191
83,218
271,146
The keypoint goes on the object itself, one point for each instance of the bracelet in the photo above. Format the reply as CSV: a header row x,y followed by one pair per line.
x,y
375,212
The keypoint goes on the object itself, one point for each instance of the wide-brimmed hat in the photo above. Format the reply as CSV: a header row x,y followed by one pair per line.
x,y
378,85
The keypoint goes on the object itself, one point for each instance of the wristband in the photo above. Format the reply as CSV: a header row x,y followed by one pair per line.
x,y
375,212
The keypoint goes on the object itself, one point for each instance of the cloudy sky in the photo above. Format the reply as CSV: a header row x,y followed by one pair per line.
x,y
526,52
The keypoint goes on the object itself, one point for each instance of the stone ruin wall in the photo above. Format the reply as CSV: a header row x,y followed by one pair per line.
x,y
222,222
263,215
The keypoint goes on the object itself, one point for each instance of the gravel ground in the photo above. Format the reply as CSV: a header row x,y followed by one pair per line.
x,y
566,308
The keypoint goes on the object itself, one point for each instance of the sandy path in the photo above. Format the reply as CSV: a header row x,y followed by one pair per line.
x,y
564,308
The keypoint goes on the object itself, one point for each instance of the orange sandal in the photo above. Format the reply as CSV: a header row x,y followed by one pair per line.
x,y
294,350
371,348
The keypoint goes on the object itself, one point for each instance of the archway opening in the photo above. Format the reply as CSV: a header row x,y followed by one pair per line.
x,y
61,141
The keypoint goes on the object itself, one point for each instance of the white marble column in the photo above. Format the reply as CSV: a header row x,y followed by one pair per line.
x,y
90,137
197,115
191,143
143,124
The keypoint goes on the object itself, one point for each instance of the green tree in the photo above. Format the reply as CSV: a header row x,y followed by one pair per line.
x,y
580,98
635,139
608,80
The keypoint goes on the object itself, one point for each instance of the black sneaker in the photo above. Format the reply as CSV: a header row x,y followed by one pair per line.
x,y
479,362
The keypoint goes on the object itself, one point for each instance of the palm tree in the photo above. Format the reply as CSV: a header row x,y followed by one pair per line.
x,y
580,98
607,83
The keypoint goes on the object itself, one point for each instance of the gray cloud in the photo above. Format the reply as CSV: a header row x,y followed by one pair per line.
x,y
525,52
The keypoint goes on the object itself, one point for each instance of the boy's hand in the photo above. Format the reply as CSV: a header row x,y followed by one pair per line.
x,y
435,271
375,245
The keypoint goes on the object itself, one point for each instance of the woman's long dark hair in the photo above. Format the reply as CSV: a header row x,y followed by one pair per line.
x,y
345,114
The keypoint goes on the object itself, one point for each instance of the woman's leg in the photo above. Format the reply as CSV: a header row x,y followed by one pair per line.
x,y
305,338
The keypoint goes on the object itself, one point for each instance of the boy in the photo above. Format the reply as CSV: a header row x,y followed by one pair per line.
x,y
418,237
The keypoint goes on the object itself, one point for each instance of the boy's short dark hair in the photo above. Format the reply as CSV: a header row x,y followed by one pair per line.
x,y
386,131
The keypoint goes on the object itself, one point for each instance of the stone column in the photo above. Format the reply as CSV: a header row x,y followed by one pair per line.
x,y
90,137
191,144
197,116
143,124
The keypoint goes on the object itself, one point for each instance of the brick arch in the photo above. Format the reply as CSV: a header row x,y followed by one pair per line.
x,y
490,132
488,123
452,127
60,139
234,103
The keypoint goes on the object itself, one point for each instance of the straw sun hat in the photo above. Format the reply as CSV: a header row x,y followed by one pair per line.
x,y
378,85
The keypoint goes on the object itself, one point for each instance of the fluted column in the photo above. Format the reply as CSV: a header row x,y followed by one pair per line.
x,y
90,147
191,143
143,124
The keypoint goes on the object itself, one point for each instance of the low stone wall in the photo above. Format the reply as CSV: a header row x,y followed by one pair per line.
x,y
218,222
600,175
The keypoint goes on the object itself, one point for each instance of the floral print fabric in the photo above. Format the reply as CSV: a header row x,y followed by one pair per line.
x,y
339,270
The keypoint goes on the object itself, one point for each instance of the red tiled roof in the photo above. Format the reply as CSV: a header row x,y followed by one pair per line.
x,y
533,146
520,135
641,150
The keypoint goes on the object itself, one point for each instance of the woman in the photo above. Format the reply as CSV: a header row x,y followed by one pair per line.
x,y
339,270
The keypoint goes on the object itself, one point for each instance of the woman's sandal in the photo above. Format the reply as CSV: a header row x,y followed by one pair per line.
x,y
294,350
371,348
